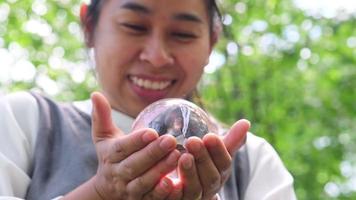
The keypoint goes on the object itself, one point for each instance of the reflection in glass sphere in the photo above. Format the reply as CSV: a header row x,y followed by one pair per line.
x,y
177,117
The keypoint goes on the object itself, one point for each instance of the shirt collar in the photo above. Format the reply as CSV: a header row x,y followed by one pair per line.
x,y
121,120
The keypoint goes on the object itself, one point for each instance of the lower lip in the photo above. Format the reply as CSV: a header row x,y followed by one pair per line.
x,y
148,95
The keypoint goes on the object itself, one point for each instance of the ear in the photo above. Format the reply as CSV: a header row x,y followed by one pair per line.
x,y
86,24
215,35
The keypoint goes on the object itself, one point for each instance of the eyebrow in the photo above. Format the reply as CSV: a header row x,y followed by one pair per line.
x,y
136,7
133,6
187,17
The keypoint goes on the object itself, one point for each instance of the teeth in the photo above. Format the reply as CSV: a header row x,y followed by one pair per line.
x,y
149,84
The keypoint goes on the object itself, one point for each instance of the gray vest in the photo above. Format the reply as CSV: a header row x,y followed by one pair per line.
x,y
65,156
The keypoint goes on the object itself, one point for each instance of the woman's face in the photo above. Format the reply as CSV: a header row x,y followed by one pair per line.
x,y
146,50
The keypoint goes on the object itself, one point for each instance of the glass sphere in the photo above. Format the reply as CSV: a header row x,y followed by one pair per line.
x,y
178,117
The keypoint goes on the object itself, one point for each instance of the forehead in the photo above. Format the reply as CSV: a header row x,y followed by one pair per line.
x,y
188,9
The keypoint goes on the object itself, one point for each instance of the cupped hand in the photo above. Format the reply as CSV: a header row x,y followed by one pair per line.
x,y
131,166
207,165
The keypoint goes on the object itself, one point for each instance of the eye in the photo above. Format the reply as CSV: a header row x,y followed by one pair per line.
x,y
183,35
135,28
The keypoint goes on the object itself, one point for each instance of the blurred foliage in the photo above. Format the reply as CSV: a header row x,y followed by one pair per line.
x,y
291,73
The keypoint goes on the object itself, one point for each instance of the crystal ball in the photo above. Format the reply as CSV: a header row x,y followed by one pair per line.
x,y
177,117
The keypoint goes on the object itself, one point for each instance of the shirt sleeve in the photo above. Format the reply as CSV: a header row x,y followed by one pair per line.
x,y
18,129
269,179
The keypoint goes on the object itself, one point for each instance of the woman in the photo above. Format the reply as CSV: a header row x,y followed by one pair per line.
x,y
144,50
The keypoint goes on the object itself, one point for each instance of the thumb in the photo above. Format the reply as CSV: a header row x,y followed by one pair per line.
x,y
236,136
102,124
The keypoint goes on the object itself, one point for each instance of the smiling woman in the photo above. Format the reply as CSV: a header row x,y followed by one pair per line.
x,y
144,51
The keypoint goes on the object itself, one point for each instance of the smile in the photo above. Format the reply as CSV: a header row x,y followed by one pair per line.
x,y
150,84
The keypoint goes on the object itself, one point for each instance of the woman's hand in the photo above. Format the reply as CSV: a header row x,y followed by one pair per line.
x,y
207,165
130,166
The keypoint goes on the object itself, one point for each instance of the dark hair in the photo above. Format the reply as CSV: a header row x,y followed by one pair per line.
x,y
94,8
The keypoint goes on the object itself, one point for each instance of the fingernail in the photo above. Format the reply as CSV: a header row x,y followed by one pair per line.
x,y
148,137
195,146
213,142
187,163
167,143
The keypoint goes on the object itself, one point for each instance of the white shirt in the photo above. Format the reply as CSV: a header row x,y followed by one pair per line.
x,y
269,180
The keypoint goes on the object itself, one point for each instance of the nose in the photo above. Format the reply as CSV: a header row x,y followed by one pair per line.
x,y
156,52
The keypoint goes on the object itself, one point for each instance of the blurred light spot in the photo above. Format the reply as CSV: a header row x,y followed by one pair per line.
x,y
314,59
275,20
305,53
39,27
227,20
270,44
247,31
302,65
346,169
61,14
315,33
327,8
7,61
216,60
307,25
39,7
344,138
78,73
232,48
81,54
4,12
55,62
259,25
240,7
58,52
291,33
65,2
20,13
351,42
51,39
352,183
285,18
17,51
247,50
47,84
332,189
75,9
322,142
74,28
23,70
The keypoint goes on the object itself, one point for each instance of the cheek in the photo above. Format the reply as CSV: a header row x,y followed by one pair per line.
x,y
195,60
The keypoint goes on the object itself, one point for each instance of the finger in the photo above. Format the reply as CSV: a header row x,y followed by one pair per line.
x,y
139,162
176,192
128,144
161,190
219,155
189,177
236,136
146,182
102,124
209,175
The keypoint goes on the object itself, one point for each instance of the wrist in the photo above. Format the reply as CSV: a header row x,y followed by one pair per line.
x,y
87,191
